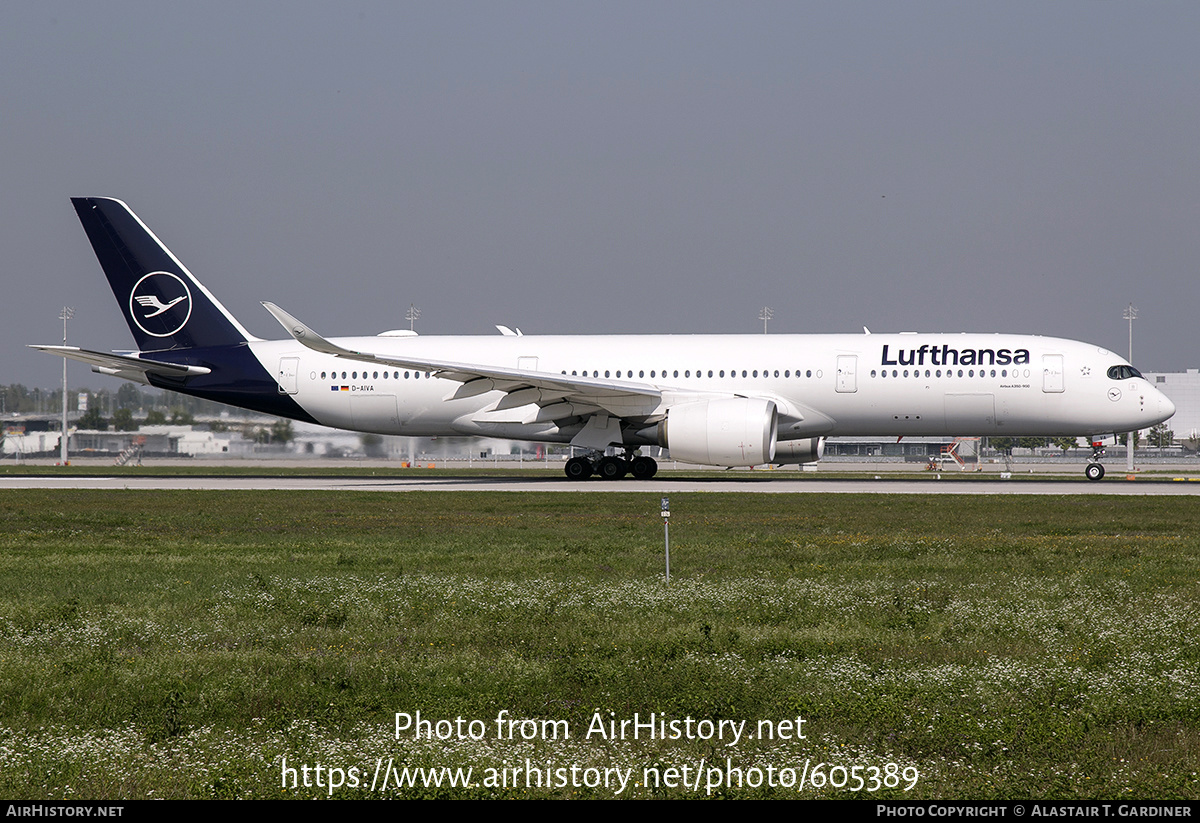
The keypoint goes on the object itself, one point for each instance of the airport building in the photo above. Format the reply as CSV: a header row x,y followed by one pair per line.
x,y
40,436
1183,388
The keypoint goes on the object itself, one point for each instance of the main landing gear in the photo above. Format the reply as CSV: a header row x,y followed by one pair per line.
x,y
611,467
1095,470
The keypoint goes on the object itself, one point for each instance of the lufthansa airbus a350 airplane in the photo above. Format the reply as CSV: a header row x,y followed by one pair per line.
x,y
719,400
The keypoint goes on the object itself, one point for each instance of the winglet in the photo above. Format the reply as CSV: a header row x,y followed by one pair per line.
x,y
305,335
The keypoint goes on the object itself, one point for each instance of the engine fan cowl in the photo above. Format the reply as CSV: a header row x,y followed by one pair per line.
x,y
735,431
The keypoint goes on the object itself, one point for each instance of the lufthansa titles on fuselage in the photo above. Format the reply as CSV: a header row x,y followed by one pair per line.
x,y
947,355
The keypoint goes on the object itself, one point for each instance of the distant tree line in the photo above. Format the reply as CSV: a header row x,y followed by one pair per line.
x,y
128,408
16,398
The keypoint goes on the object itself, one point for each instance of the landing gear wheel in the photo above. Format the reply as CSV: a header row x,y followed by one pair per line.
x,y
1094,471
612,468
643,468
578,468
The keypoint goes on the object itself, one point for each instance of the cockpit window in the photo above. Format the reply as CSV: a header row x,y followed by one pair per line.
x,y
1123,372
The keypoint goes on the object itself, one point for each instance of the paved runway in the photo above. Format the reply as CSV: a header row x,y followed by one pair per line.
x,y
663,484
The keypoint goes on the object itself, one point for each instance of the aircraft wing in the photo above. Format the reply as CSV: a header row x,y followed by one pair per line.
x,y
127,366
557,395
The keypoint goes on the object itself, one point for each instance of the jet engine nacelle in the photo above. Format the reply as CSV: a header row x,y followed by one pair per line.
x,y
807,450
736,431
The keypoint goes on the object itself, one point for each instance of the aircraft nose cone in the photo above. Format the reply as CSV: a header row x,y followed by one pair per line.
x,y
1165,407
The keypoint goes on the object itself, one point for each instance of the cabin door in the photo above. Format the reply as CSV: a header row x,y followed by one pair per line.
x,y
847,369
289,367
1052,373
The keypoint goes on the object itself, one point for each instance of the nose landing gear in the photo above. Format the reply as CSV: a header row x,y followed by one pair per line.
x,y
1094,469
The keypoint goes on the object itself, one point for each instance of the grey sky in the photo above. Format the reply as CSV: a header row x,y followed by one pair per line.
x,y
613,167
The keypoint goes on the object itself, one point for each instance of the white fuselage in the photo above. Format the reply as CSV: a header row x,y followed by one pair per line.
x,y
824,385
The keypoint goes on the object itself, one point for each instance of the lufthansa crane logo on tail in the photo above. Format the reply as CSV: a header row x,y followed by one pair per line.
x,y
160,304
149,301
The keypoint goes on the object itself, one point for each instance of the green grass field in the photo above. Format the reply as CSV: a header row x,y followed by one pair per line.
x,y
189,644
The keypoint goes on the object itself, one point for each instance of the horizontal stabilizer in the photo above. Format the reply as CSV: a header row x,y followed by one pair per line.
x,y
131,367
